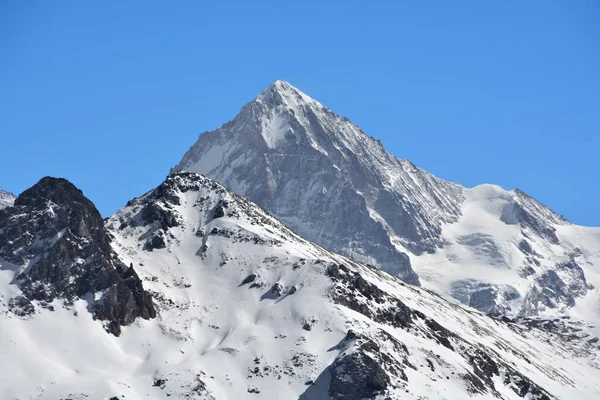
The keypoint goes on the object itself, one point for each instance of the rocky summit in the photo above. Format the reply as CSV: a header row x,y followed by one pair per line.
x,y
54,241
497,250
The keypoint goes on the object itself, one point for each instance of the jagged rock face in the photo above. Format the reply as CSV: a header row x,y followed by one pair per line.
x,y
356,374
333,184
363,370
556,288
533,216
56,241
484,296
6,199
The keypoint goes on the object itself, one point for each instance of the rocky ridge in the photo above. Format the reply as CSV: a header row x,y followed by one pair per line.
x,y
54,240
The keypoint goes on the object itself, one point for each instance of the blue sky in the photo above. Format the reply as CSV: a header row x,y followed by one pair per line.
x,y
111,94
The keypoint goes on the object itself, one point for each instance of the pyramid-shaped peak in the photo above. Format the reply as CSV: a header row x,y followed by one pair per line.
x,y
57,190
282,92
283,87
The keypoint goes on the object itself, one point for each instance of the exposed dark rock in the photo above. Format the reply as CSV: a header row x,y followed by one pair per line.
x,y
437,331
576,252
253,389
183,385
157,241
526,271
308,324
525,247
21,306
161,383
220,209
277,289
249,278
356,376
353,291
430,365
165,217
59,233
125,301
485,368
523,386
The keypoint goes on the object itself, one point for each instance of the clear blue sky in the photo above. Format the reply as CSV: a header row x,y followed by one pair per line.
x,y
111,94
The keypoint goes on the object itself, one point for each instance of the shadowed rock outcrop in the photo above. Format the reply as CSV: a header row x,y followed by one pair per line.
x,y
56,240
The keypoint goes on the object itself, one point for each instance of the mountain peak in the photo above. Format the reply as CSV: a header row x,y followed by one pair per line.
x,y
282,87
56,241
57,190
283,93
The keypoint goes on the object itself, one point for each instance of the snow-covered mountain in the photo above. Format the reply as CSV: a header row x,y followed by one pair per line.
x,y
497,250
6,199
245,308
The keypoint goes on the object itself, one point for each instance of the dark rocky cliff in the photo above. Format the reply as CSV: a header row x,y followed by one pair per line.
x,y
56,240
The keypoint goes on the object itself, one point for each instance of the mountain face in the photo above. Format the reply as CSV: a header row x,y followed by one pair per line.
x,y
247,309
499,251
6,199
54,242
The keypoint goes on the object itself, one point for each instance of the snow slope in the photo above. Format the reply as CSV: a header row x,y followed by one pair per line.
x,y
248,309
497,250
501,266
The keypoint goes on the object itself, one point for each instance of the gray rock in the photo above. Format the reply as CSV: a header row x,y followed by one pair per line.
x,y
556,287
486,297
326,179
357,376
